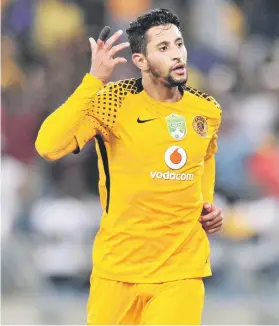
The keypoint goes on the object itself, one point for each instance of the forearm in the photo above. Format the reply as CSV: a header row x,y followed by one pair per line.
x,y
208,180
57,136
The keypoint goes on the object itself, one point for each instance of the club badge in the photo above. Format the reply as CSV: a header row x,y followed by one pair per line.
x,y
200,126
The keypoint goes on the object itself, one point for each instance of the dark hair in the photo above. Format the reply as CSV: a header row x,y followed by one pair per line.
x,y
138,28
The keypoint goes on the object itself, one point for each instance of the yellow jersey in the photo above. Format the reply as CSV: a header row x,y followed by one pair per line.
x,y
156,164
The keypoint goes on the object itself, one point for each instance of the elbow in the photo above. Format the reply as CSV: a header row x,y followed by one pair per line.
x,y
42,149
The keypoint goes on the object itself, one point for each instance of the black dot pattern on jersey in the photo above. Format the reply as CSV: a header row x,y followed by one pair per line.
x,y
200,94
108,101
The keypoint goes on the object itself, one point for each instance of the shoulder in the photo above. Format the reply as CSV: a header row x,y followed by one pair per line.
x,y
109,101
122,87
203,99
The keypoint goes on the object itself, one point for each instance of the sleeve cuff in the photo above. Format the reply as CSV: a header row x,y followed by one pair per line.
x,y
92,81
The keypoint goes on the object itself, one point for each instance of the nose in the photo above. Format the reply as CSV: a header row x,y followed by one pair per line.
x,y
178,54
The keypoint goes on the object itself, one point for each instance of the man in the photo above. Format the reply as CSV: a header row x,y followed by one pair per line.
x,y
156,140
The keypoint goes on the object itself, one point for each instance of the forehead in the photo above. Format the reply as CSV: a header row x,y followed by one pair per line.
x,y
162,33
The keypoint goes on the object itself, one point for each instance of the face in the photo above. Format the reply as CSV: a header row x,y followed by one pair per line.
x,y
166,55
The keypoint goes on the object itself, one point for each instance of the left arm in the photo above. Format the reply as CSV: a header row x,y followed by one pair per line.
x,y
211,218
208,178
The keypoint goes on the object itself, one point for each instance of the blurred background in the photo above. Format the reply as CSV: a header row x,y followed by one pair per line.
x,y
51,211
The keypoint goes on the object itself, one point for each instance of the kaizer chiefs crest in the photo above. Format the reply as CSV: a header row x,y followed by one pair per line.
x,y
200,125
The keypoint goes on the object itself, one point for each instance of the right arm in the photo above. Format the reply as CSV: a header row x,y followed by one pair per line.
x,y
70,127
77,121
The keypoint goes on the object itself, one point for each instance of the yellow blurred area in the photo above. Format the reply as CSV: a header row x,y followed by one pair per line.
x,y
235,227
56,22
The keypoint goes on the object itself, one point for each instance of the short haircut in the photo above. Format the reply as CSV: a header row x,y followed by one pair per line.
x,y
138,28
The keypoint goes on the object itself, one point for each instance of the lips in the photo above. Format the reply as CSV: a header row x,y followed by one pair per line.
x,y
179,68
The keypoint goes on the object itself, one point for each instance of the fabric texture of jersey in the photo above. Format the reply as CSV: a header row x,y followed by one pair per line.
x,y
171,303
156,163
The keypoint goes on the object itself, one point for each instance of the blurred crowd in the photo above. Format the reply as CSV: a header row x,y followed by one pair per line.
x,y
51,211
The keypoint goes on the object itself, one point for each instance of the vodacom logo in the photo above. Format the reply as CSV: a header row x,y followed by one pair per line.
x,y
175,157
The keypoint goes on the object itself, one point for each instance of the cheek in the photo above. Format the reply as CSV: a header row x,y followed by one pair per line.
x,y
165,66
161,64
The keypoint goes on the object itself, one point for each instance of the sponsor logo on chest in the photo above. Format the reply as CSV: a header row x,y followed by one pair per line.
x,y
175,158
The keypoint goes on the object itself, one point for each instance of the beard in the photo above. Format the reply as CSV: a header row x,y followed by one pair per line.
x,y
174,82
169,80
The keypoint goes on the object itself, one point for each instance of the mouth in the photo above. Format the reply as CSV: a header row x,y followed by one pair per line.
x,y
180,69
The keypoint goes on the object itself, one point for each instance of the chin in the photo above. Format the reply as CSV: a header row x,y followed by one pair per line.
x,y
174,82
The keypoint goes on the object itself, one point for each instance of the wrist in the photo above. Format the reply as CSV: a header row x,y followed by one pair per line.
x,y
103,79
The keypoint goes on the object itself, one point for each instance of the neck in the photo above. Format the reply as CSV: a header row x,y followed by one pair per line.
x,y
160,92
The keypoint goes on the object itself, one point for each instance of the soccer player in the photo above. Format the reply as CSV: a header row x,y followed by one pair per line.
x,y
156,140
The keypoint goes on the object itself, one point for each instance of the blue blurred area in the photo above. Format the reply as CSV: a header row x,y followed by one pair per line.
x,y
51,211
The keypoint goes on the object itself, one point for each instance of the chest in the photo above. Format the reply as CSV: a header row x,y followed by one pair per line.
x,y
144,134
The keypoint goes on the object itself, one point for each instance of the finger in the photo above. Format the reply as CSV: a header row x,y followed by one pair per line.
x,y
210,216
118,48
216,220
100,44
207,207
113,39
205,211
93,46
104,33
217,225
213,230
117,61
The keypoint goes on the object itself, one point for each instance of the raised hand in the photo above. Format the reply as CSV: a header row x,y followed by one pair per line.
x,y
103,61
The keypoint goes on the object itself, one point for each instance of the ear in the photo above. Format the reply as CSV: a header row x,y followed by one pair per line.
x,y
140,61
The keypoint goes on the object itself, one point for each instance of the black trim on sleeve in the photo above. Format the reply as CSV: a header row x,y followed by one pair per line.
x,y
104,155
76,151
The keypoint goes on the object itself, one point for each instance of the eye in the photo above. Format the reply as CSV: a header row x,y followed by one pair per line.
x,y
180,44
163,48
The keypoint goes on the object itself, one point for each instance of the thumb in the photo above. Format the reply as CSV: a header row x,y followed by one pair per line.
x,y
93,46
208,207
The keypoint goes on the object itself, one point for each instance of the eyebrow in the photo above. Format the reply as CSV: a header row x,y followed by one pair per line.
x,y
167,42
